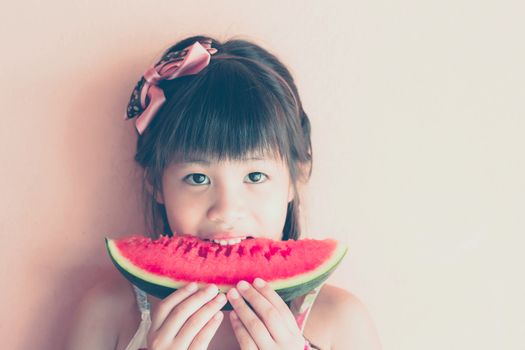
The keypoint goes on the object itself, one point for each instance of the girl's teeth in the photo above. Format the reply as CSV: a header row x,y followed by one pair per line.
x,y
227,242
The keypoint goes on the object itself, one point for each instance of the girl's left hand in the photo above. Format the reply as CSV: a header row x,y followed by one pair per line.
x,y
270,325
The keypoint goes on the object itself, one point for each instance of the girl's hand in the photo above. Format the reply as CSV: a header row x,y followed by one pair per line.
x,y
272,326
186,319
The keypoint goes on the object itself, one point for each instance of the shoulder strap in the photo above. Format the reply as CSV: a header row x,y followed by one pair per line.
x,y
142,300
302,305
139,339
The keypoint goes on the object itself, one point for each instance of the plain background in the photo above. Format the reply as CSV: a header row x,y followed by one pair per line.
x,y
418,131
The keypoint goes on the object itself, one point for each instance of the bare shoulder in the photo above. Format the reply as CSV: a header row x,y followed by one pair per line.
x,y
100,311
347,319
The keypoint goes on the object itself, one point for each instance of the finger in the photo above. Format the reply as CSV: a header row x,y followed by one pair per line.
x,y
256,328
241,333
271,295
271,317
197,321
203,338
164,307
181,312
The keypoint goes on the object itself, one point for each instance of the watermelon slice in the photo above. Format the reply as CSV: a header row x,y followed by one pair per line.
x,y
159,267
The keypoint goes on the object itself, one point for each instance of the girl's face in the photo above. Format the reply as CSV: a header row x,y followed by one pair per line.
x,y
227,200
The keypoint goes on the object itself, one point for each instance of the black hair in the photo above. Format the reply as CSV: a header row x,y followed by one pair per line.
x,y
245,101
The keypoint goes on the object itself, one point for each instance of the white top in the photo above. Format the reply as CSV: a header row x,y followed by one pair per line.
x,y
139,339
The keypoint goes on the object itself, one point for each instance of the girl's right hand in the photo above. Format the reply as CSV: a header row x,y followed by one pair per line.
x,y
186,319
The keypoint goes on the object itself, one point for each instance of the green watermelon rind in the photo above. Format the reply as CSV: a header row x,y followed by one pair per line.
x,y
288,289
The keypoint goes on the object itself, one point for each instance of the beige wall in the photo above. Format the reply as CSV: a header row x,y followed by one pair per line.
x,y
418,131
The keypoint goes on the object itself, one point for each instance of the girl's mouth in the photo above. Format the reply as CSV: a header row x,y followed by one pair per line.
x,y
230,241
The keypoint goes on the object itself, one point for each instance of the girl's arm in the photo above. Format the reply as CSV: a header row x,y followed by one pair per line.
x,y
353,328
94,324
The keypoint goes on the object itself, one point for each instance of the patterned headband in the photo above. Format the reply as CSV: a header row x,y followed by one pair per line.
x,y
147,97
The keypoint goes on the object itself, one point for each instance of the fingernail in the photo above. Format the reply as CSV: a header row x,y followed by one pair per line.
x,y
220,298
211,289
192,287
233,293
243,285
259,282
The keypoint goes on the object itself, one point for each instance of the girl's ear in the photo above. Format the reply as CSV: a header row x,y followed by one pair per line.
x,y
158,196
291,193
301,181
304,170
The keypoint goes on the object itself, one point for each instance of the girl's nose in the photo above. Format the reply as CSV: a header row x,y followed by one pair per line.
x,y
227,208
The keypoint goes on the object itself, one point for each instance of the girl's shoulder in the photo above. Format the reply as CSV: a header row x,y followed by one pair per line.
x,y
340,320
98,319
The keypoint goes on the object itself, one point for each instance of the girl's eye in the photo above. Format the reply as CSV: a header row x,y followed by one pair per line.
x,y
198,179
257,176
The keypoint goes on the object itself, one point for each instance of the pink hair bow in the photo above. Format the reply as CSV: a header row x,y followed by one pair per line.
x,y
191,60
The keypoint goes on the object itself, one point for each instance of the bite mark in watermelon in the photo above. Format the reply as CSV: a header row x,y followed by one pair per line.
x,y
159,267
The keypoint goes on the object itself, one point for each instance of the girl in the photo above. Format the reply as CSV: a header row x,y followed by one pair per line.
x,y
225,147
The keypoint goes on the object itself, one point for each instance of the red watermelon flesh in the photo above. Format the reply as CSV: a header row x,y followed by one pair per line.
x,y
160,266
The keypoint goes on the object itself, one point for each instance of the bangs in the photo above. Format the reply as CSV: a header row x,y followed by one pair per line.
x,y
227,114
